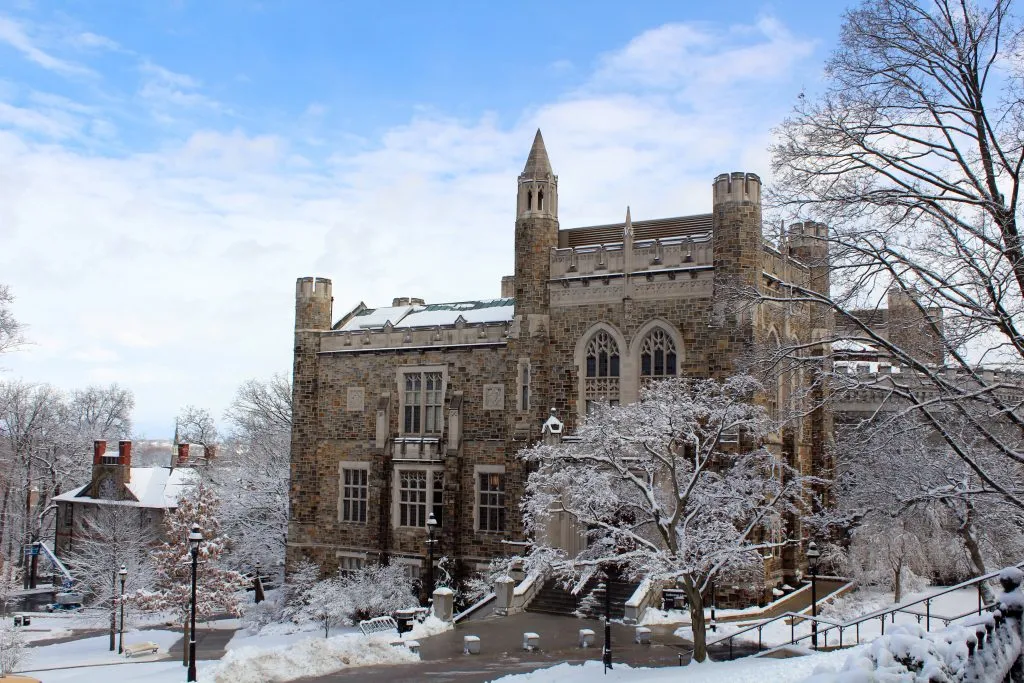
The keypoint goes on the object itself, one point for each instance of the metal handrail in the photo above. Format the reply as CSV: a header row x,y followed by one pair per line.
x,y
877,614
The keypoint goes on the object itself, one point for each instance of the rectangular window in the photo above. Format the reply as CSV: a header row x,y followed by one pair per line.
x,y
349,564
491,513
353,495
420,493
423,394
69,517
524,397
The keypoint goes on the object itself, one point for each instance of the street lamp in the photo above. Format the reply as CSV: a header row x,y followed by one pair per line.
x,y
606,654
194,539
120,636
431,530
812,564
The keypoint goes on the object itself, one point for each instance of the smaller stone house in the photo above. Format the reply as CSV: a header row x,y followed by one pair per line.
x,y
152,491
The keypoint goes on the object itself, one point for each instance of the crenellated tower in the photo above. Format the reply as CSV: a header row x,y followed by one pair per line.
x,y
313,311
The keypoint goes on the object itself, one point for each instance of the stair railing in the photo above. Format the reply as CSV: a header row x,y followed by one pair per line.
x,y
825,624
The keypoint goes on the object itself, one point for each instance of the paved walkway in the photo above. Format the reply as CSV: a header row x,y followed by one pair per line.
x,y
501,652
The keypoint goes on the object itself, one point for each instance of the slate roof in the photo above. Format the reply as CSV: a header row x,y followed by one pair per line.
x,y
431,315
152,487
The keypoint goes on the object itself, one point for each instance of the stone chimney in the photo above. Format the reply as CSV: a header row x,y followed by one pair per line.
x,y
508,286
99,447
182,460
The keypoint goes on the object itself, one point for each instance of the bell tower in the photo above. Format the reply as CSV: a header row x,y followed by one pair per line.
x,y
536,230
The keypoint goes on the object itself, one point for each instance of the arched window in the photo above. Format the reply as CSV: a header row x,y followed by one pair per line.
x,y
658,355
529,200
540,200
601,382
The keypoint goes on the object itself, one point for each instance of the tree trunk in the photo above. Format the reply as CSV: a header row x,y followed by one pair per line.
x,y
700,636
966,532
897,582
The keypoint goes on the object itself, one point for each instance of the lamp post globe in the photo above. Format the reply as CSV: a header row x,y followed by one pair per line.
x,y
813,555
195,538
431,530
123,573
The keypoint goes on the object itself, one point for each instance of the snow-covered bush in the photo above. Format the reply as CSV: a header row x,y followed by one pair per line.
x,y
295,592
327,604
12,648
376,590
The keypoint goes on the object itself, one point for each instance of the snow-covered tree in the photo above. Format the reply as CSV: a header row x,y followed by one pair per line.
x,y
326,604
10,584
112,536
12,648
251,473
172,559
673,487
375,590
196,425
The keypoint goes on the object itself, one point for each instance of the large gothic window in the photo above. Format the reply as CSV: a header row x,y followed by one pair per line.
x,y
658,355
602,372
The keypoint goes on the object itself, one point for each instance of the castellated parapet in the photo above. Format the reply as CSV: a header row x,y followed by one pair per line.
x,y
737,187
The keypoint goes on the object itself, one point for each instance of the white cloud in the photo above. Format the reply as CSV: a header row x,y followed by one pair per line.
x,y
172,269
13,33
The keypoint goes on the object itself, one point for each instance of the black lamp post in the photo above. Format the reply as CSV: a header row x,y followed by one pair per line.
x,y
113,611
431,530
194,539
606,654
120,634
812,564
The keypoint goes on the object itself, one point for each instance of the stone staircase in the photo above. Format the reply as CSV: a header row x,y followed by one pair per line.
x,y
552,598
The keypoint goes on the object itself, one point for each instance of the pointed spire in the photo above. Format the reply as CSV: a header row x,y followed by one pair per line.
x,y
537,164
628,229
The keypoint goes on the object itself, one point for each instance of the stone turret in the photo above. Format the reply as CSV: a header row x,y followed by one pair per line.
x,y
313,303
536,230
737,229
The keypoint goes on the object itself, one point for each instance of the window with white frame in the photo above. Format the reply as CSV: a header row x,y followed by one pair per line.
x,y
658,357
354,490
423,402
491,501
601,380
349,563
420,493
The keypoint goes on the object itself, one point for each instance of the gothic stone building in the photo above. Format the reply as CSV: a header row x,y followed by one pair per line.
x,y
417,408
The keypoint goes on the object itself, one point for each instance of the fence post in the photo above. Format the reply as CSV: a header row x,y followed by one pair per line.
x,y
928,615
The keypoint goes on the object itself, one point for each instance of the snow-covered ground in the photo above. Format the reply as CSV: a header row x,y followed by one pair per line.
x,y
750,670
92,651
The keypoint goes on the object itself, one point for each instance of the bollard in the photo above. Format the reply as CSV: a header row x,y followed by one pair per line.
x,y
586,637
531,641
643,635
471,645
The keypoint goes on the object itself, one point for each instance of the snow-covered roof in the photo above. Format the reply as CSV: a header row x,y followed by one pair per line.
x,y
153,487
433,315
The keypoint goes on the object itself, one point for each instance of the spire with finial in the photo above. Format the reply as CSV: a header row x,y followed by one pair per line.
x,y
628,229
538,166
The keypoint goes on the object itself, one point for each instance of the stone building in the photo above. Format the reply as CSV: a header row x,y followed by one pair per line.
x,y
417,408
115,481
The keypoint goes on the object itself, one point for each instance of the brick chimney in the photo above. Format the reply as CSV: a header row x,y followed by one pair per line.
x,y
182,460
210,452
124,454
99,447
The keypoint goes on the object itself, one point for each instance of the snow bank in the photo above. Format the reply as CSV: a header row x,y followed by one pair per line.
x,y
309,657
910,653
430,626
749,670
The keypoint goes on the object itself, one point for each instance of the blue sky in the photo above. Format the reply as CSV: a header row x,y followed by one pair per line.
x,y
167,169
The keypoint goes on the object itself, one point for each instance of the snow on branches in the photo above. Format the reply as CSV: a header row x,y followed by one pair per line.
x,y
673,487
216,586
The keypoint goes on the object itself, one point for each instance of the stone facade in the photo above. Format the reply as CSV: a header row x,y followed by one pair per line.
x,y
597,311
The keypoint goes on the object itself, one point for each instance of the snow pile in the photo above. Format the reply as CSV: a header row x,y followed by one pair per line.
x,y
909,652
430,626
309,657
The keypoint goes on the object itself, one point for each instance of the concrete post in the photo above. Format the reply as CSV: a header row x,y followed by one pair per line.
x,y
503,589
443,603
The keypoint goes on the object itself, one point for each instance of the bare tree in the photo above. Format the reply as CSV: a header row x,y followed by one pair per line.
x,y
912,155
251,474
196,425
10,329
673,487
